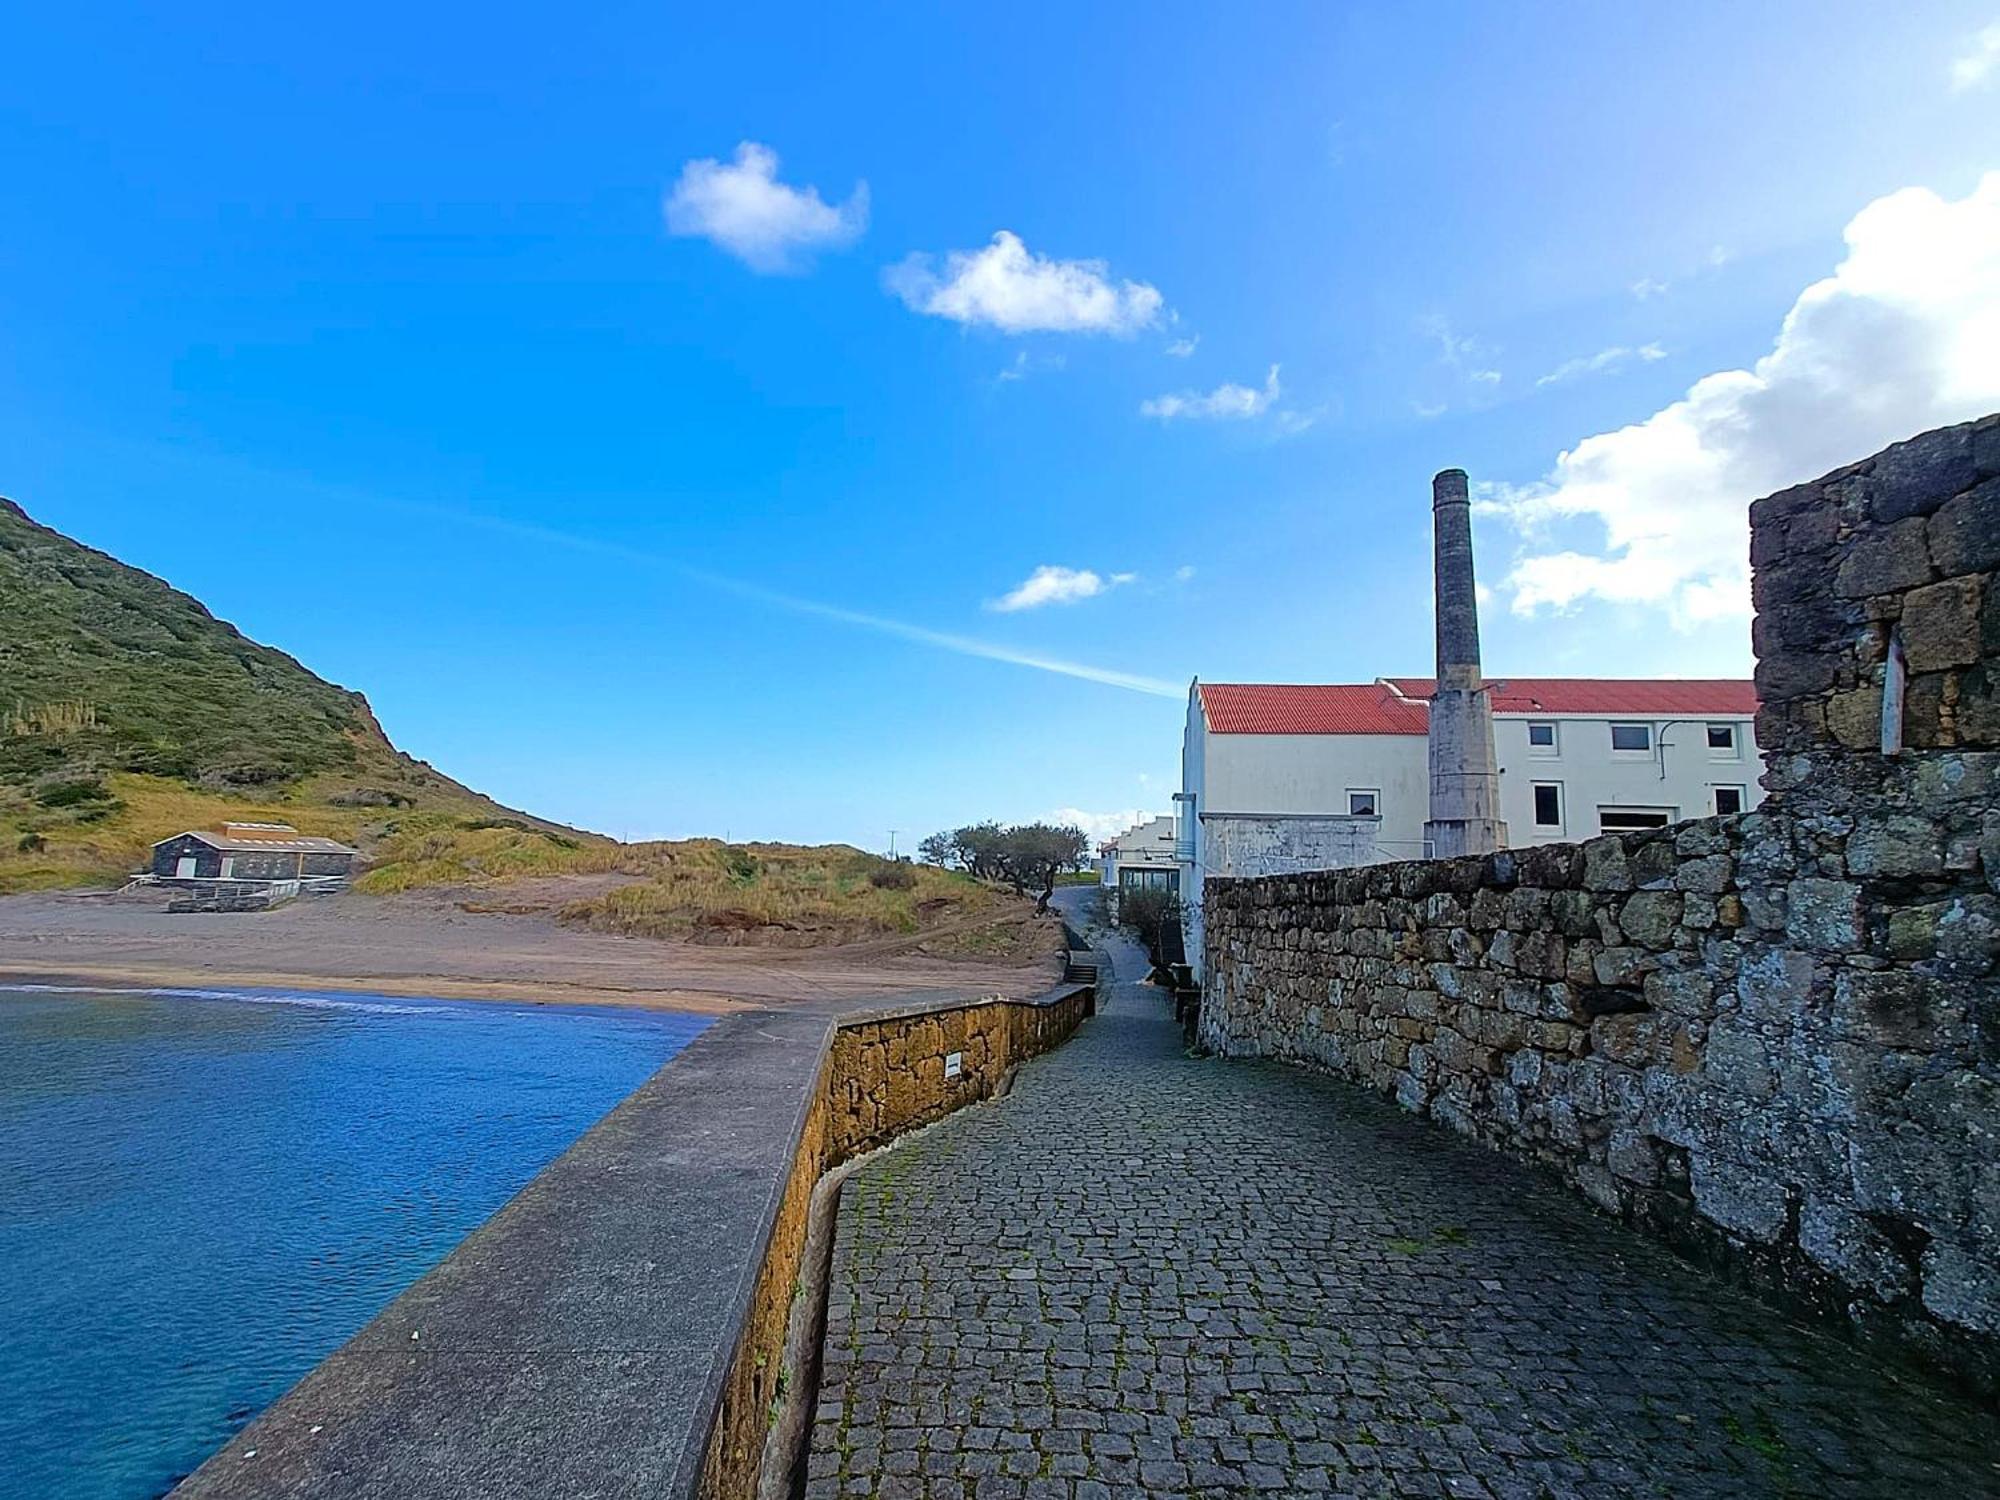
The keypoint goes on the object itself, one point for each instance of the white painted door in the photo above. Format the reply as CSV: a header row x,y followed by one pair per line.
x,y
184,867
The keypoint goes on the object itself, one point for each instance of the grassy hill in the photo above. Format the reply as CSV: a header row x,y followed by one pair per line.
x,y
128,713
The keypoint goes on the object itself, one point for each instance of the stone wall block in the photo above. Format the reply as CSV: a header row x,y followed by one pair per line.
x,y
1917,477
1941,625
1964,535
1890,561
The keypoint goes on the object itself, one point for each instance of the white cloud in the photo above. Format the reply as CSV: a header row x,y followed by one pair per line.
x,y
1050,584
1182,348
1183,573
1902,337
1646,288
1603,362
1978,63
1099,826
1227,401
1008,287
767,225
1023,365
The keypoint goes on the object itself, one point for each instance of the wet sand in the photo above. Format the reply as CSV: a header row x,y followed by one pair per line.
x,y
426,944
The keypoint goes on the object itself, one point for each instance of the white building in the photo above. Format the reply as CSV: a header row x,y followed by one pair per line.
x,y
1143,855
1281,777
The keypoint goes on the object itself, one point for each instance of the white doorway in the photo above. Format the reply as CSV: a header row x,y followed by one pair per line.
x,y
184,867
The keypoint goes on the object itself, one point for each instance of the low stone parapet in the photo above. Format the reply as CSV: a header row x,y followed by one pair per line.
x,y
618,1328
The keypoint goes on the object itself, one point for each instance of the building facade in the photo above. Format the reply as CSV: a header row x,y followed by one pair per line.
x,y
1143,855
1279,778
250,851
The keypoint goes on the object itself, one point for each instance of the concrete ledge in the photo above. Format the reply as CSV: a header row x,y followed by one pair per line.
x,y
617,1328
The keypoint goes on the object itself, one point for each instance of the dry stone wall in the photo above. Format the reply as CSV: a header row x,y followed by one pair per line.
x,y
1773,1039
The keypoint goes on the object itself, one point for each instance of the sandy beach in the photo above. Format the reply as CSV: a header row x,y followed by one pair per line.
x,y
427,943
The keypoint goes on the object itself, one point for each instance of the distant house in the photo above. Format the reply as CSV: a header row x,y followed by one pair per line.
x,y
250,851
1143,855
1278,777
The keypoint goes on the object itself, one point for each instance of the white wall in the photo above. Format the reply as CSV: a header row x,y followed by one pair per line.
x,y
1149,845
1313,773
1678,777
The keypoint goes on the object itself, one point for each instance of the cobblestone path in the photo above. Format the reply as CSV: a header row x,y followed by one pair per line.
x,y
1144,1274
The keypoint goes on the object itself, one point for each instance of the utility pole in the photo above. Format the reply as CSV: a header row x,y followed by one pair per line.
x,y
892,841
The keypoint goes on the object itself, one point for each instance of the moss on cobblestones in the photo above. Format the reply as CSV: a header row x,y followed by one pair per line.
x,y
1217,1307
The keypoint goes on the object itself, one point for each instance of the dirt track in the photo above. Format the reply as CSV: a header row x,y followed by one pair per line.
x,y
426,944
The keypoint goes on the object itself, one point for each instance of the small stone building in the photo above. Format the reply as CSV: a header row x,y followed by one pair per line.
x,y
250,851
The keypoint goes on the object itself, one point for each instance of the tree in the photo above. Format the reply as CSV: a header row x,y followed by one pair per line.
x,y
1038,852
1028,856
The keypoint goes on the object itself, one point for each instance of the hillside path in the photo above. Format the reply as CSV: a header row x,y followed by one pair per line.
x,y
1144,1274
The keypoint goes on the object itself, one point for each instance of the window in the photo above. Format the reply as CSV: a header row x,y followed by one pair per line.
x,y
1542,739
1728,799
1150,880
1624,819
1722,742
1548,804
1363,804
1636,738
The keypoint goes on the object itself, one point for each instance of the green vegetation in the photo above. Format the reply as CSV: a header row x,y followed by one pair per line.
x,y
1027,856
785,896
1151,914
128,712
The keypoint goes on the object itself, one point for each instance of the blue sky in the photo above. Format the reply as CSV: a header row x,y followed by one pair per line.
x,y
371,327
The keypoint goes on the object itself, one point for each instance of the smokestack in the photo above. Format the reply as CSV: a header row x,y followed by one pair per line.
x,y
1465,773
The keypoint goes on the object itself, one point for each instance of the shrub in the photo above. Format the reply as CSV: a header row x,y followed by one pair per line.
x,y
1150,914
73,793
890,876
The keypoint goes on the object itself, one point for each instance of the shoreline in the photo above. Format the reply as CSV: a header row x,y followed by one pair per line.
x,y
404,987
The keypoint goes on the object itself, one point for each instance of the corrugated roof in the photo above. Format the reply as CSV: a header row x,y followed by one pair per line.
x,y
297,844
1399,705
1649,697
1308,708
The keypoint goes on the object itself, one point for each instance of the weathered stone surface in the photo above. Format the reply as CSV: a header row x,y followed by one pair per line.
x,y
1964,535
1823,914
1148,1275
1896,845
1941,625
1791,1014
1890,561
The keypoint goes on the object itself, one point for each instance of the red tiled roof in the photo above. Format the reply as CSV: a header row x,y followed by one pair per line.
x,y
1655,697
1308,708
1373,708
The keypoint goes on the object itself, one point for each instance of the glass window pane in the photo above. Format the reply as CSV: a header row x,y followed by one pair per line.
x,y
1631,737
1548,806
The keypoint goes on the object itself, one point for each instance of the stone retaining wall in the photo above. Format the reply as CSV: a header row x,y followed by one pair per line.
x,y
618,1327
1772,1039
882,1075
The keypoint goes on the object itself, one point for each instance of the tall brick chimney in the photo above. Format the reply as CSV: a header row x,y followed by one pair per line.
x,y
1465,773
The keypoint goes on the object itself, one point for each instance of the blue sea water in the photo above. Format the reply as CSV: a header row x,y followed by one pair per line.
x,y
201,1195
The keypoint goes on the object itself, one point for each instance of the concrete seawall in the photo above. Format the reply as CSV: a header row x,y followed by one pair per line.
x,y
618,1328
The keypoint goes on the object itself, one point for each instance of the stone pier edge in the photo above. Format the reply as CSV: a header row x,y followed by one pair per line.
x,y
618,1327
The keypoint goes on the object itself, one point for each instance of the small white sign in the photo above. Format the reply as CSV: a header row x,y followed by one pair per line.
x,y
954,1064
